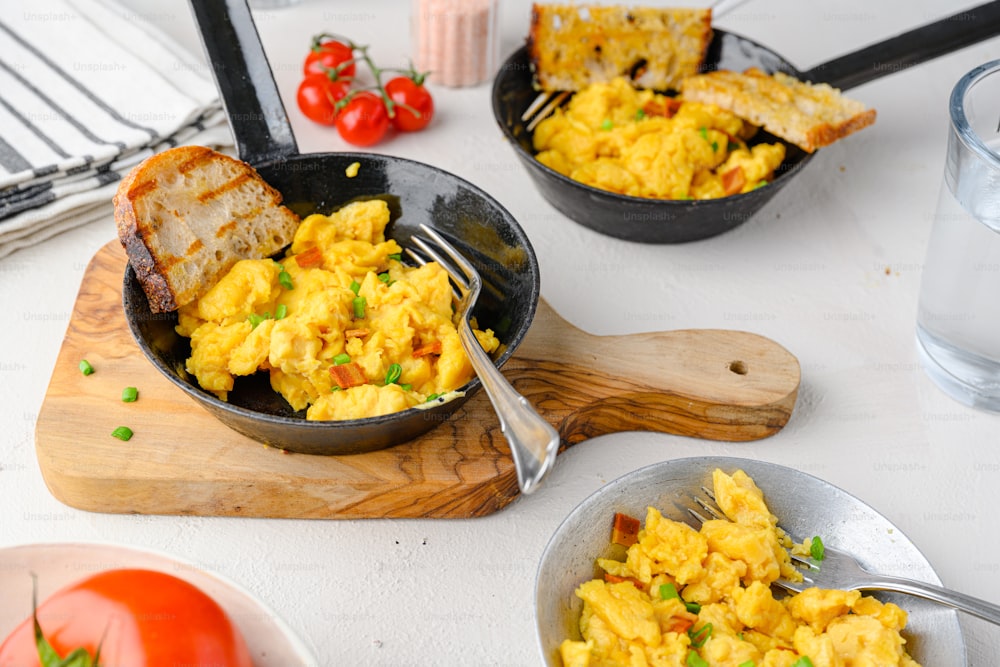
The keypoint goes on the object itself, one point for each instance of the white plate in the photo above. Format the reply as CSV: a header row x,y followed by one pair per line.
x,y
271,642
804,505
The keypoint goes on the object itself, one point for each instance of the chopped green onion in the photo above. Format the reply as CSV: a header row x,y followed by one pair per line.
x,y
703,131
692,607
286,280
701,635
130,394
715,146
384,277
759,184
640,114
256,319
406,386
86,368
804,661
280,311
122,433
816,549
695,660
395,370
396,256
335,388
606,124
342,358
355,286
748,663
359,306
433,397
668,591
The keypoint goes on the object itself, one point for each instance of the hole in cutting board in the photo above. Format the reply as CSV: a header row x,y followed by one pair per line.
x,y
738,367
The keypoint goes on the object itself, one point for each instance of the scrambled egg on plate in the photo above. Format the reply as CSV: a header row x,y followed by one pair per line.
x,y
615,137
700,598
340,324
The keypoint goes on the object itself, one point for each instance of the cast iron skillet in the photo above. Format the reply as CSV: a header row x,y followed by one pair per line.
x,y
666,221
417,193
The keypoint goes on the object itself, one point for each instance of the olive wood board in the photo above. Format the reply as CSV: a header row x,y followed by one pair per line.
x,y
712,384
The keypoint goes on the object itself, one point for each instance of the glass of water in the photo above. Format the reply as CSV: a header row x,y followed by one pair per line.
x,y
958,316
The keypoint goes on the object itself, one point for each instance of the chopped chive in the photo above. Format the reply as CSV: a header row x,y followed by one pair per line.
x,y
695,660
280,311
759,184
396,256
359,306
433,397
748,663
406,386
692,607
355,286
342,358
668,591
130,394
86,368
384,277
606,124
816,548
254,319
286,280
122,433
700,636
395,370
335,388
703,131
804,661
715,146
640,114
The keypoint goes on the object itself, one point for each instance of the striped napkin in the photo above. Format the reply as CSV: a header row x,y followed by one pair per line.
x,y
88,89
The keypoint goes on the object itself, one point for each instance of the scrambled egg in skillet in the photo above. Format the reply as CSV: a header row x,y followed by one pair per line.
x,y
615,137
687,598
340,324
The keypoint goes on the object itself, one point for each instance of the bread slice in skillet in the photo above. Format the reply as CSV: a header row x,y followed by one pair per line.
x,y
572,46
809,115
186,215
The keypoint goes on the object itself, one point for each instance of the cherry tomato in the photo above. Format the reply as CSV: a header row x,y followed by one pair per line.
x,y
364,120
318,95
330,53
145,617
410,96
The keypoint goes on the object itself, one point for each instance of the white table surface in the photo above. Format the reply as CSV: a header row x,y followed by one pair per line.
x,y
830,269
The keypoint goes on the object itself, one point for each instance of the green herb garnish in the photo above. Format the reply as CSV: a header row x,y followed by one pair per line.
x,y
130,394
395,370
701,635
606,124
355,286
695,660
816,548
341,359
286,280
86,368
280,311
359,306
122,433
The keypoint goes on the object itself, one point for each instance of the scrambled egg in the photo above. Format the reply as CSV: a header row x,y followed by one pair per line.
x,y
700,598
343,328
614,137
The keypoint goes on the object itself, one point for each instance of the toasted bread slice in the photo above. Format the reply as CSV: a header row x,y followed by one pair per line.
x,y
809,115
572,46
187,215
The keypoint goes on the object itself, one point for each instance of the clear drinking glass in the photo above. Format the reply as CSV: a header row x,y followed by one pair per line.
x,y
958,316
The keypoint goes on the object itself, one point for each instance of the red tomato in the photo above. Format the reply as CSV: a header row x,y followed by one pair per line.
x,y
363,121
330,53
318,95
414,106
146,618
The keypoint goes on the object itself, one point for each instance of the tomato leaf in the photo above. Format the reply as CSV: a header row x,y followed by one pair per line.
x,y
47,655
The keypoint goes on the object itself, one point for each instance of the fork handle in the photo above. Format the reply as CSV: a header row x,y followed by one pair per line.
x,y
975,606
533,441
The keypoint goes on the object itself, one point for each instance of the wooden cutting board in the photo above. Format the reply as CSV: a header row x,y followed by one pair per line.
x,y
713,384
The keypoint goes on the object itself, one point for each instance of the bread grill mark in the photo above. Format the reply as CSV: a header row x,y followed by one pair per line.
x,y
224,188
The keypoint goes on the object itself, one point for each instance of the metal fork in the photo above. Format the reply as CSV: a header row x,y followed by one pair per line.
x,y
840,570
533,441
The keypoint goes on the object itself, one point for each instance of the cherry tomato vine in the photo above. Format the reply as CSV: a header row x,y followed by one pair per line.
x,y
331,92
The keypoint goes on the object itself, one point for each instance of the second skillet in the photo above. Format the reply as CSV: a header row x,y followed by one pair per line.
x,y
675,221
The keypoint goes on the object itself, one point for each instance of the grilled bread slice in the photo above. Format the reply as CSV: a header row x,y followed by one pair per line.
x,y
809,115
572,46
186,215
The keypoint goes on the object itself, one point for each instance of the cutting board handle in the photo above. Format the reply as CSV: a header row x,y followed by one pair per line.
x,y
716,384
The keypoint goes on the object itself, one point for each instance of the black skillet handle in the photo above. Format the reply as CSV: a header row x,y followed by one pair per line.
x,y
256,115
910,48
